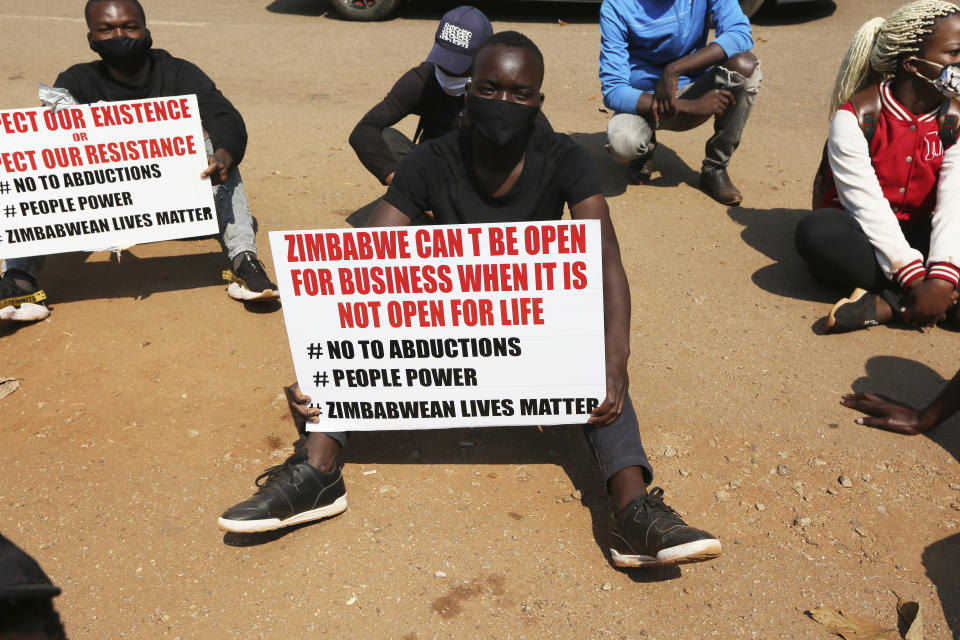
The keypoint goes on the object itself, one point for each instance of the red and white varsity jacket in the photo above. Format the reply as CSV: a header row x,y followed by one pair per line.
x,y
904,176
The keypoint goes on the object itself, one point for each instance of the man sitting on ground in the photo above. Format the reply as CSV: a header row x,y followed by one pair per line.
x,y
658,72
131,70
432,90
506,165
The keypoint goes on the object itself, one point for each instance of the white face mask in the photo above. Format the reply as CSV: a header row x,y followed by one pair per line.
x,y
451,85
947,83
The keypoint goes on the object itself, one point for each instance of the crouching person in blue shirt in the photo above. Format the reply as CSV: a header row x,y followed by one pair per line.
x,y
658,72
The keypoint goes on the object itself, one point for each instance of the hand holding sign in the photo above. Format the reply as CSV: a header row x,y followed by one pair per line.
x,y
88,177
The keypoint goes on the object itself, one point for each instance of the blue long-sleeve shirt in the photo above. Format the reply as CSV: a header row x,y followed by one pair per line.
x,y
638,38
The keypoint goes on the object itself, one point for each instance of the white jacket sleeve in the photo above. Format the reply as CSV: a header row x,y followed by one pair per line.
x,y
860,194
944,258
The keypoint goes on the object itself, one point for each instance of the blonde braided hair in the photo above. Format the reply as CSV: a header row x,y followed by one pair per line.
x,y
879,46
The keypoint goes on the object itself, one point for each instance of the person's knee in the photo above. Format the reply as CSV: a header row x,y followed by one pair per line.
x,y
805,236
814,231
628,137
744,63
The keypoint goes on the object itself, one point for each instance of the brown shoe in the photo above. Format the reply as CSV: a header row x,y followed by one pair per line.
x,y
716,184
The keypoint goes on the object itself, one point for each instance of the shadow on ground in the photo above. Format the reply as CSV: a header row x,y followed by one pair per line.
x,y
68,277
770,231
917,384
941,560
565,446
669,169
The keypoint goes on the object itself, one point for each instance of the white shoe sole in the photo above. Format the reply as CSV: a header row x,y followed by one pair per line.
x,y
243,294
26,312
696,551
270,524
853,297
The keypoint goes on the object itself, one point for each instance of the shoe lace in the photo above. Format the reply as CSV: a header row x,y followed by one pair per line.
x,y
654,504
273,476
250,265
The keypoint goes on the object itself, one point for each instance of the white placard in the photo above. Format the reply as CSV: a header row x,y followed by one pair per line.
x,y
109,174
445,326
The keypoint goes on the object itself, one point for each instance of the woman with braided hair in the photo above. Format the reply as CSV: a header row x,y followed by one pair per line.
x,y
887,200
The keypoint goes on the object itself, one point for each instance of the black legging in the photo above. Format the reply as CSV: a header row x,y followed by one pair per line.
x,y
837,251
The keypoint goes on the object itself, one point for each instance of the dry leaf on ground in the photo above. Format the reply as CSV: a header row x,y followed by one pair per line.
x,y
911,615
850,626
8,386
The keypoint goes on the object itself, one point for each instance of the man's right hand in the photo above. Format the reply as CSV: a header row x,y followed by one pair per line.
x,y
712,103
298,405
886,414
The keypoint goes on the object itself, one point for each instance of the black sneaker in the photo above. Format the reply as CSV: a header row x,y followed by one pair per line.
x,y
291,493
649,533
249,281
19,303
858,311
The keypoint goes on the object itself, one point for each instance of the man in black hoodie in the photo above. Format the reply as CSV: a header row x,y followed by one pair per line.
x,y
432,90
131,70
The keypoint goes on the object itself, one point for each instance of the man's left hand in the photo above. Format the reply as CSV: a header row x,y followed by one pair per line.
x,y
220,164
665,95
612,406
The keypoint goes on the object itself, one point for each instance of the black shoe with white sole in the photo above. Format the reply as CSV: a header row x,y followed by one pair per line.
x,y
20,298
649,533
248,280
291,493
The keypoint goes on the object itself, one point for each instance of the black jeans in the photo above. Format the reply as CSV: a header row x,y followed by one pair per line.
x,y
615,446
837,251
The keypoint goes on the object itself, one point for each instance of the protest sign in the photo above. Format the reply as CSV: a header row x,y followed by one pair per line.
x,y
110,174
445,326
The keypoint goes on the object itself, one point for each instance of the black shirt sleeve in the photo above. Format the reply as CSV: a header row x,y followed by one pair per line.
x,y
219,117
68,80
577,175
402,100
91,82
410,191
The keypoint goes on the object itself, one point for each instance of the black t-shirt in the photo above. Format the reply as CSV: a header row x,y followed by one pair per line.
x,y
438,176
168,76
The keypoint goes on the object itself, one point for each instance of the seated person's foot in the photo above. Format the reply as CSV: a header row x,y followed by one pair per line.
x,y
716,184
291,493
248,280
640,169
858,311
20,299
649,533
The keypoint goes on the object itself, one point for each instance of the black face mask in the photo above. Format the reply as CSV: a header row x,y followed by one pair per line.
x,y
500,122
126,55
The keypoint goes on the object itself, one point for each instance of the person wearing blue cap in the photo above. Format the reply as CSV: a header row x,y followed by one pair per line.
x,y
432,90
26,598
657,71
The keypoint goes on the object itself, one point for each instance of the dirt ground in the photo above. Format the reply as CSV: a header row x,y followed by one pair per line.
x,y
150,401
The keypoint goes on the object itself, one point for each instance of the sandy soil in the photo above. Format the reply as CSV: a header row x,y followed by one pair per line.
x,y
150,401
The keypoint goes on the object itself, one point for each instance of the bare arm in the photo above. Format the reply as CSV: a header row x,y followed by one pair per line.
x,y
616,310
664,101
387,215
